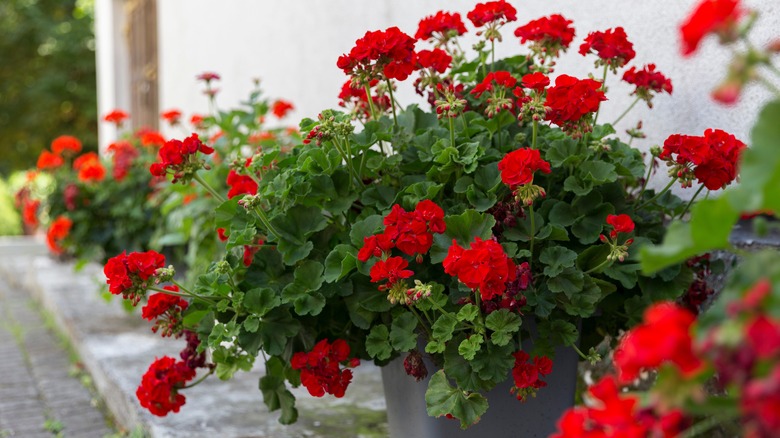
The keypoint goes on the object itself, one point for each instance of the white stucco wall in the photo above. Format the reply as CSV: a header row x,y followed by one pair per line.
x,y
293,46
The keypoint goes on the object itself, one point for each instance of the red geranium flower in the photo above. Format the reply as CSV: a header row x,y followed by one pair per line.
x,y
611,46
570,100
518,167
380,54
66,143
527,375
489,12
647,81
663,336
354,97
441,26
535,81
549,35
159,387
171,116
130,274
152,138
393,270
58,230
179,157
89,168
123,153
484,266
48,160
321,372
436,59
207,77
375,246
116,117
621,223
710,16
711,158
240,185
280,108
197,121
30,212
167,310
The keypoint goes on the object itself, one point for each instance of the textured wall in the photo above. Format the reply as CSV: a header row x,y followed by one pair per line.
x,y
293,47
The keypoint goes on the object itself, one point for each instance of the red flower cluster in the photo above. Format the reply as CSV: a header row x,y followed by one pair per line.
x,y
535,81
484,266
131,274
171,116
208,77
663,336
391,270
500,78
549,35
528,374
30,212
65,143
711,158
441,26
159,387
179,157
570,100
490,12
166,309
48,160
240,185
518,167
89,168
116,117
320,370
197,121
58,230
70,194
389,53
409,231
280,108
611,46
617,415
647,81
435,59
122,154
621,223
152,138
711,16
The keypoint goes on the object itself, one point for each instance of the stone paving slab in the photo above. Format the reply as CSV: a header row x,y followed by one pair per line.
x,y
116,348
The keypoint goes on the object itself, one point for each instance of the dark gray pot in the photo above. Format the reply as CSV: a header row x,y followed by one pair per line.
x,y
506,417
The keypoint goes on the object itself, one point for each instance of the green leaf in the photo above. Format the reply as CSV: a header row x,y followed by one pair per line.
x,y
468,312
469,347
625,273
592,257
599,172
402,332
563,214
562,152
583,303
443,328
275,392
363,228
589,227
275,329
378,196
251,324
442,399
542,301
377,343
760,165
340,262
504,325
558,331
557,258
709,229
463,228
302,292
260,300
294,229
569,281
494,362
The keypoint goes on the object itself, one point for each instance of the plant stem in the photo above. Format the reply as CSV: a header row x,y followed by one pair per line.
x,y
452,132
208,187
596,268
347,158
582,355
604,89
370,102
666,189
266,222
533,233
392,101
197,382
769,85
647,177
183,295
492,55
441,309
351,163
691,201
533,135
630,107
702,426
422,322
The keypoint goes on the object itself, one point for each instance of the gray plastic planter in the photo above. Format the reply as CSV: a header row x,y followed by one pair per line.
x,y
505,418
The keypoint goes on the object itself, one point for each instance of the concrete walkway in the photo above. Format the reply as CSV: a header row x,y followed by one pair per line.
x,y
116,348
41,394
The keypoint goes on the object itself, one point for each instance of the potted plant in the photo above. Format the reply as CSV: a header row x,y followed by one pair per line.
x,y
473,242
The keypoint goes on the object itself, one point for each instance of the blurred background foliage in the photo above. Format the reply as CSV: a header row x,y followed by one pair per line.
x,y
47,77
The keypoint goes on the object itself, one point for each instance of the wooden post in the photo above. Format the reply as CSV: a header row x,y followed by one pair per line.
x,y
141,34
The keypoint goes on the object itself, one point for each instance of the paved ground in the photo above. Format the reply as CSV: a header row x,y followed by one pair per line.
x,y
41,394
